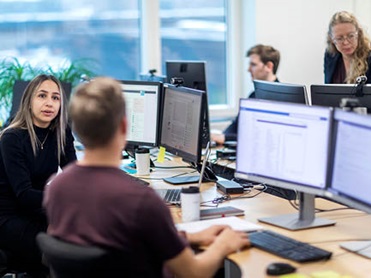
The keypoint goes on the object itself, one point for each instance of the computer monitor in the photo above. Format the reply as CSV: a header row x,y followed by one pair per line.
x,y
193,74
332,94
351,175
286,145
277,91
181,122
143,111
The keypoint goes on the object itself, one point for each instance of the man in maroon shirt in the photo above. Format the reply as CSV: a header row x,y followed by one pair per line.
x,y
93,202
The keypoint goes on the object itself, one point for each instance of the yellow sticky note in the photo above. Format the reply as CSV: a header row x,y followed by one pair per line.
x,y
326,274
294,275
161,155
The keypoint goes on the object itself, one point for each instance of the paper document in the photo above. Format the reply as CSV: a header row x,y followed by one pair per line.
x,y
234,222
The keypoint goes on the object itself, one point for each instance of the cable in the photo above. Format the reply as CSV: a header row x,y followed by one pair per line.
x,y
174,167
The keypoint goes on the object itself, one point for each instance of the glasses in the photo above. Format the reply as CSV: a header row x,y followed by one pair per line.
x,y
351,38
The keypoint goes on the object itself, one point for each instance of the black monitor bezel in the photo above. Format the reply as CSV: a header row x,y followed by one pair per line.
x,y
173,65
187,157
277,91
189,78
331,94
134,144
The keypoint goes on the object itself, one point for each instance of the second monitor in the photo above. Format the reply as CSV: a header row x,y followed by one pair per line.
x,y
193,74
277,91
332,94
143,110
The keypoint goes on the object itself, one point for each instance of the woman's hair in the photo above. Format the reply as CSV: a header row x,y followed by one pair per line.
x,y
359,64
24,117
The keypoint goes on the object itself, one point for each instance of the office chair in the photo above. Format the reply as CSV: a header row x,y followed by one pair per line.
x,y
71,260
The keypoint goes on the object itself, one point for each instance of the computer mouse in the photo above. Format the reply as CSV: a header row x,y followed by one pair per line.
x,y
280,269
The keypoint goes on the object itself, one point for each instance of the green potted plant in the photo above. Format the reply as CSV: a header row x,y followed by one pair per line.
x,y
11,69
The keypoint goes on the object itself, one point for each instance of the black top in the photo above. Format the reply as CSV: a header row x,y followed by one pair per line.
x,y
22,175
230,132
332,62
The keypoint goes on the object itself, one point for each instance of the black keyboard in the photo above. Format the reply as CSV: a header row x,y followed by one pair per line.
x,y
170,196
286,247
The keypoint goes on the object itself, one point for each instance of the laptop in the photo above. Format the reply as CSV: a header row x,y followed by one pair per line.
x,y
172,196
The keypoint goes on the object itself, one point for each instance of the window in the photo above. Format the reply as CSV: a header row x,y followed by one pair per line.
x,y
196,30
51,31
114,35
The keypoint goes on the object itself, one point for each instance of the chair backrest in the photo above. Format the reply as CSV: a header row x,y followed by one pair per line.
x,y
70,260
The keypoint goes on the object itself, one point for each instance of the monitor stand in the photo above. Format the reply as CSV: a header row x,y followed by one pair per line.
x,y
362,247
305,219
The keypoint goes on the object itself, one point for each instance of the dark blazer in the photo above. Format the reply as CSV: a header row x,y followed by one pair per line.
x,y
331,61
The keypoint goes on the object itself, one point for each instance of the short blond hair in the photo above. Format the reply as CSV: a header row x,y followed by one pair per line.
x,y
96,110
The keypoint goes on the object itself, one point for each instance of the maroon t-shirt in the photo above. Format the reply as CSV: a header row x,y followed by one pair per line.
x,y
102,206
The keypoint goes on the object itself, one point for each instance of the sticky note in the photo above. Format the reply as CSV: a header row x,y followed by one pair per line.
x,y
327,274
161,155
294,275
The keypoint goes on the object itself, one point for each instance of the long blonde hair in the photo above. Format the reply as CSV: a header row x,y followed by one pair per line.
x,y
23,118
359,65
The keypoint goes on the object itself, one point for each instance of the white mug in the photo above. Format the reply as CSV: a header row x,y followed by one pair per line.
x,y
190,201
142,161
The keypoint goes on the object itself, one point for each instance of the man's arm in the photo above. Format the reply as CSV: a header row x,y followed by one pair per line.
x,y
205,264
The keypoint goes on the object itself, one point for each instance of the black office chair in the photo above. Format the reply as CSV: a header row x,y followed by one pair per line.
x,y
68,260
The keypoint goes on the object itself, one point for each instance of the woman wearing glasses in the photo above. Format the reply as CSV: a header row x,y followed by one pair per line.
x,y
348,53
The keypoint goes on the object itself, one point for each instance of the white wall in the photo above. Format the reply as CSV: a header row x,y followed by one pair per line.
x,y
297,28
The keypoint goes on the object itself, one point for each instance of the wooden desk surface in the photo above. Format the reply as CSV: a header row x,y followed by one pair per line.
x,y
350,225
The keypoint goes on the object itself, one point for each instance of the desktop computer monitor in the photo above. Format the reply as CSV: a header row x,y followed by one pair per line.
x,y
277,91
181,122
193,74
332,94
286,145
351,175
143,111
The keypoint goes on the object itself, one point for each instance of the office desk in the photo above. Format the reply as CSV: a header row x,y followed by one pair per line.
x,y
351,225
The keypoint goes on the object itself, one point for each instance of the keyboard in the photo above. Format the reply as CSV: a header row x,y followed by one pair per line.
x,y
286,247
170,196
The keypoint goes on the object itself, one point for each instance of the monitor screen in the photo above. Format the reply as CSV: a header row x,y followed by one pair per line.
x,y
280,92
351,175
332,94
285,145
181,122
143,111
194,76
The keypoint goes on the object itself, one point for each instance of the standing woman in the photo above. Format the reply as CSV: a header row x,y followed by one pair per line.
x,y
348,53
32,148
